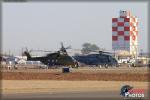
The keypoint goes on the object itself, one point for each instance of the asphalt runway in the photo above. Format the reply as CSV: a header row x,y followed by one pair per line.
x,y
69,96
83,95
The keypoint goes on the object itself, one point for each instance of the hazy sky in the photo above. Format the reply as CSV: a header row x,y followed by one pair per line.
x,y
45,25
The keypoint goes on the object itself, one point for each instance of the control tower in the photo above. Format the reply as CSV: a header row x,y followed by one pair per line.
x,y
125,33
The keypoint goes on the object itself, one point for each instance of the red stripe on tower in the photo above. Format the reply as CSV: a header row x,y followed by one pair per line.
x,y
131,33
126,38
136,33
114,19
133,37
114,28
120,23
121,33
114,38
126,28
126,19
131,24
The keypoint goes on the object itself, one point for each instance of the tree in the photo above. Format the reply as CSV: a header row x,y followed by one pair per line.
x,y
88,47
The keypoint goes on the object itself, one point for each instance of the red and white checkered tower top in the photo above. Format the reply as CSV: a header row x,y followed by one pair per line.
x,y
125,33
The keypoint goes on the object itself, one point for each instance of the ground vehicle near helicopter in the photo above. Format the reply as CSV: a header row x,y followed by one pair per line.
x,y
98,59
59,58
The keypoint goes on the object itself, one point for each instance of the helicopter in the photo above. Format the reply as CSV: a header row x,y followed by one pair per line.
x,y
100,58
59,58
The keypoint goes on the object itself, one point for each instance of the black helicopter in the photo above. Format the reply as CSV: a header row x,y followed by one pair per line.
x,y
97,59
59,58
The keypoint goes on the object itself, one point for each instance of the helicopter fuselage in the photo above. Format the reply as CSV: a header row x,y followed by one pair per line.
x,y
96,59
52,59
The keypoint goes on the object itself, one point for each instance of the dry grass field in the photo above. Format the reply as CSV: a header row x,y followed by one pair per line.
x,y
78,80
103,74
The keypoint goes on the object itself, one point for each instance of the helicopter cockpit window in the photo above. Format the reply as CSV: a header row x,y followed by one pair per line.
x,y
52,60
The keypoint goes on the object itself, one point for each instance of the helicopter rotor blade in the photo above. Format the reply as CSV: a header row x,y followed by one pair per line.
x,y
47,51
42,51
26,49
100,51
107,52
69,47
62,46
30,50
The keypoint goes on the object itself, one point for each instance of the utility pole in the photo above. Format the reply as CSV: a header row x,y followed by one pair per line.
x,y
9,52
141,52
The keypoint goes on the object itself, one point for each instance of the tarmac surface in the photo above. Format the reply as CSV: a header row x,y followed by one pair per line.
x,y
69,96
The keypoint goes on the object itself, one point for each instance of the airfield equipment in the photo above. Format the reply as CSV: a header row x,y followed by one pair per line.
x,y
59,57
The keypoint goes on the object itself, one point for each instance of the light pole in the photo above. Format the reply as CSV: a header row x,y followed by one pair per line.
x,y
141,52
